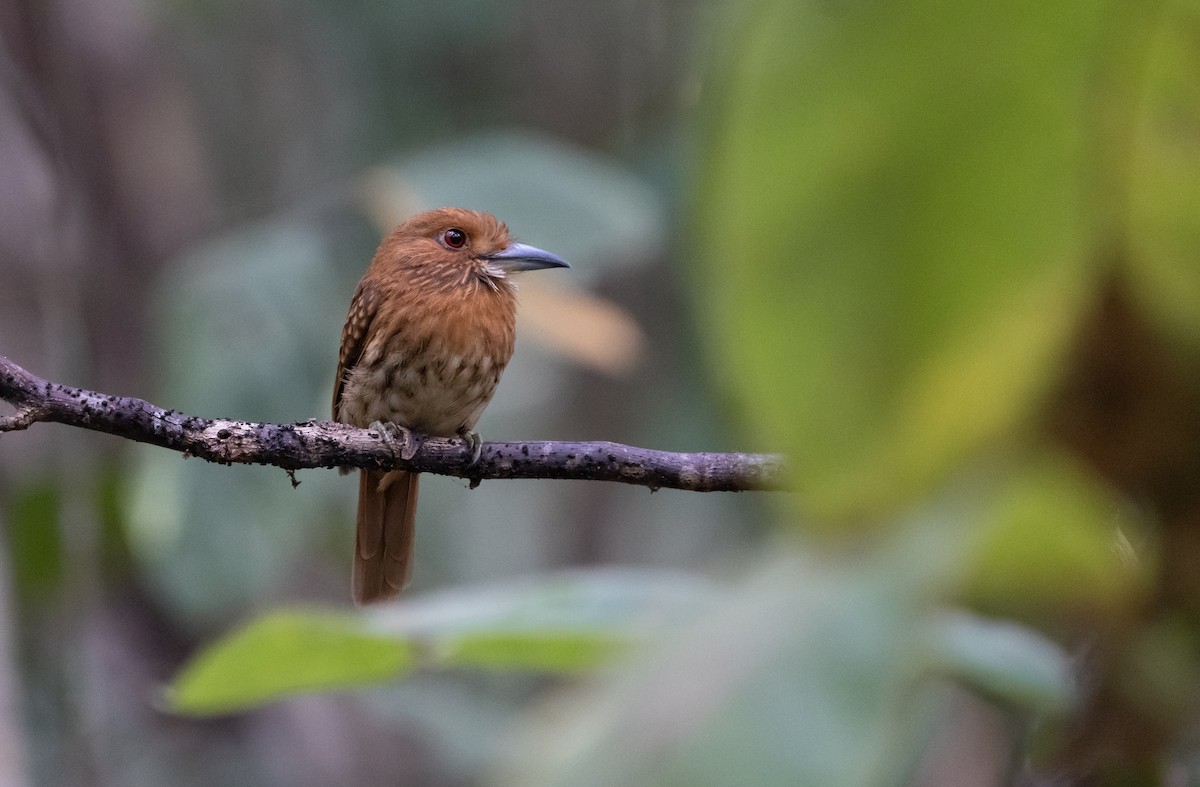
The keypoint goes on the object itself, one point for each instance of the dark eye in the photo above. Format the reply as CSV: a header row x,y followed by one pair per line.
x,y
454,238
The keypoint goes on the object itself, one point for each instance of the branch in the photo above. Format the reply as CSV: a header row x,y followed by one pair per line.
x,y
313,443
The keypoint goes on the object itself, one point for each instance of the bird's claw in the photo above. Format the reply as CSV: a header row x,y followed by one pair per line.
x,y
410,441
473,440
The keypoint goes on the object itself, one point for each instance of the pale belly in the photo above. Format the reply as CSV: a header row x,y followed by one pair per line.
x,y
434,394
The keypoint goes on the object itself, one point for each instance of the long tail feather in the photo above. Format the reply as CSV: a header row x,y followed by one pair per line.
x,y
387,507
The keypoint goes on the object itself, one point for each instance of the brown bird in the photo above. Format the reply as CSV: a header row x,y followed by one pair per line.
x,y
430,329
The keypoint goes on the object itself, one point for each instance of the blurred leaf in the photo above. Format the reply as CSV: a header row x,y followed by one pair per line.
x,y
1055,546
1165,203
895,229
1006,661
284,653
806,674
561,651
249,323
565,622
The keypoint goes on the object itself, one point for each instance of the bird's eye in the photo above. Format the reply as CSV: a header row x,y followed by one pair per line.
x,y
454,238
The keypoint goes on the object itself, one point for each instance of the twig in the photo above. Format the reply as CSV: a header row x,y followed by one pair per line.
x,y
313,443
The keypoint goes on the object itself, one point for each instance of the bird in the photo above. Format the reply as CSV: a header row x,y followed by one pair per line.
x,y
429,331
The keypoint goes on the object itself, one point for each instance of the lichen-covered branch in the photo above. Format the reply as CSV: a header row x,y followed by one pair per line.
x,y
313,443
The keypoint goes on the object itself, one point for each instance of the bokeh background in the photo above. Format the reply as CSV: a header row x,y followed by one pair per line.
x,y
945,257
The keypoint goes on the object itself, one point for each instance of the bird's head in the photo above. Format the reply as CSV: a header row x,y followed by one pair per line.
x,y
458,248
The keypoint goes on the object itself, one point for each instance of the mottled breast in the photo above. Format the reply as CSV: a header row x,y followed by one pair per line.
x,y
435,373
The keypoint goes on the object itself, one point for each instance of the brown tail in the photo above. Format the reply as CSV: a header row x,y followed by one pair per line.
x,y
387,507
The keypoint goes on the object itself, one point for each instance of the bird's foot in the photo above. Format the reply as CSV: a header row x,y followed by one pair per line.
x,y
473,440
391,433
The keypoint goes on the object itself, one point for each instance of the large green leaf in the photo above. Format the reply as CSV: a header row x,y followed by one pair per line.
x,y
565,622
285,653
896,228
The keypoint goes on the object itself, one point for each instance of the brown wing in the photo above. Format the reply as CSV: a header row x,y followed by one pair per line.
x,y
354,335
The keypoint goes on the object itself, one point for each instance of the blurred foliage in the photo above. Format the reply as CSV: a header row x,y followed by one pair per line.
x,y
1008,663
770,688
1164,190
228,348
920,223
286,652
1057,547
912,180
569,623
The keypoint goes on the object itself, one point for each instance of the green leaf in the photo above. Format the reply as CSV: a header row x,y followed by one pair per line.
x,y
1165,176
283,653
564,622
896,229
557,651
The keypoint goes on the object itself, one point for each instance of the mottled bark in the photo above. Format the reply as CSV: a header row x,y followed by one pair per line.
x,y
313,443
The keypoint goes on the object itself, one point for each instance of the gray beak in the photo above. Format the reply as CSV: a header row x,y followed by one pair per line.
x,y
518,257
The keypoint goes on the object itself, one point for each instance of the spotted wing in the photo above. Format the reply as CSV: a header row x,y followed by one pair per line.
x,y
363,309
